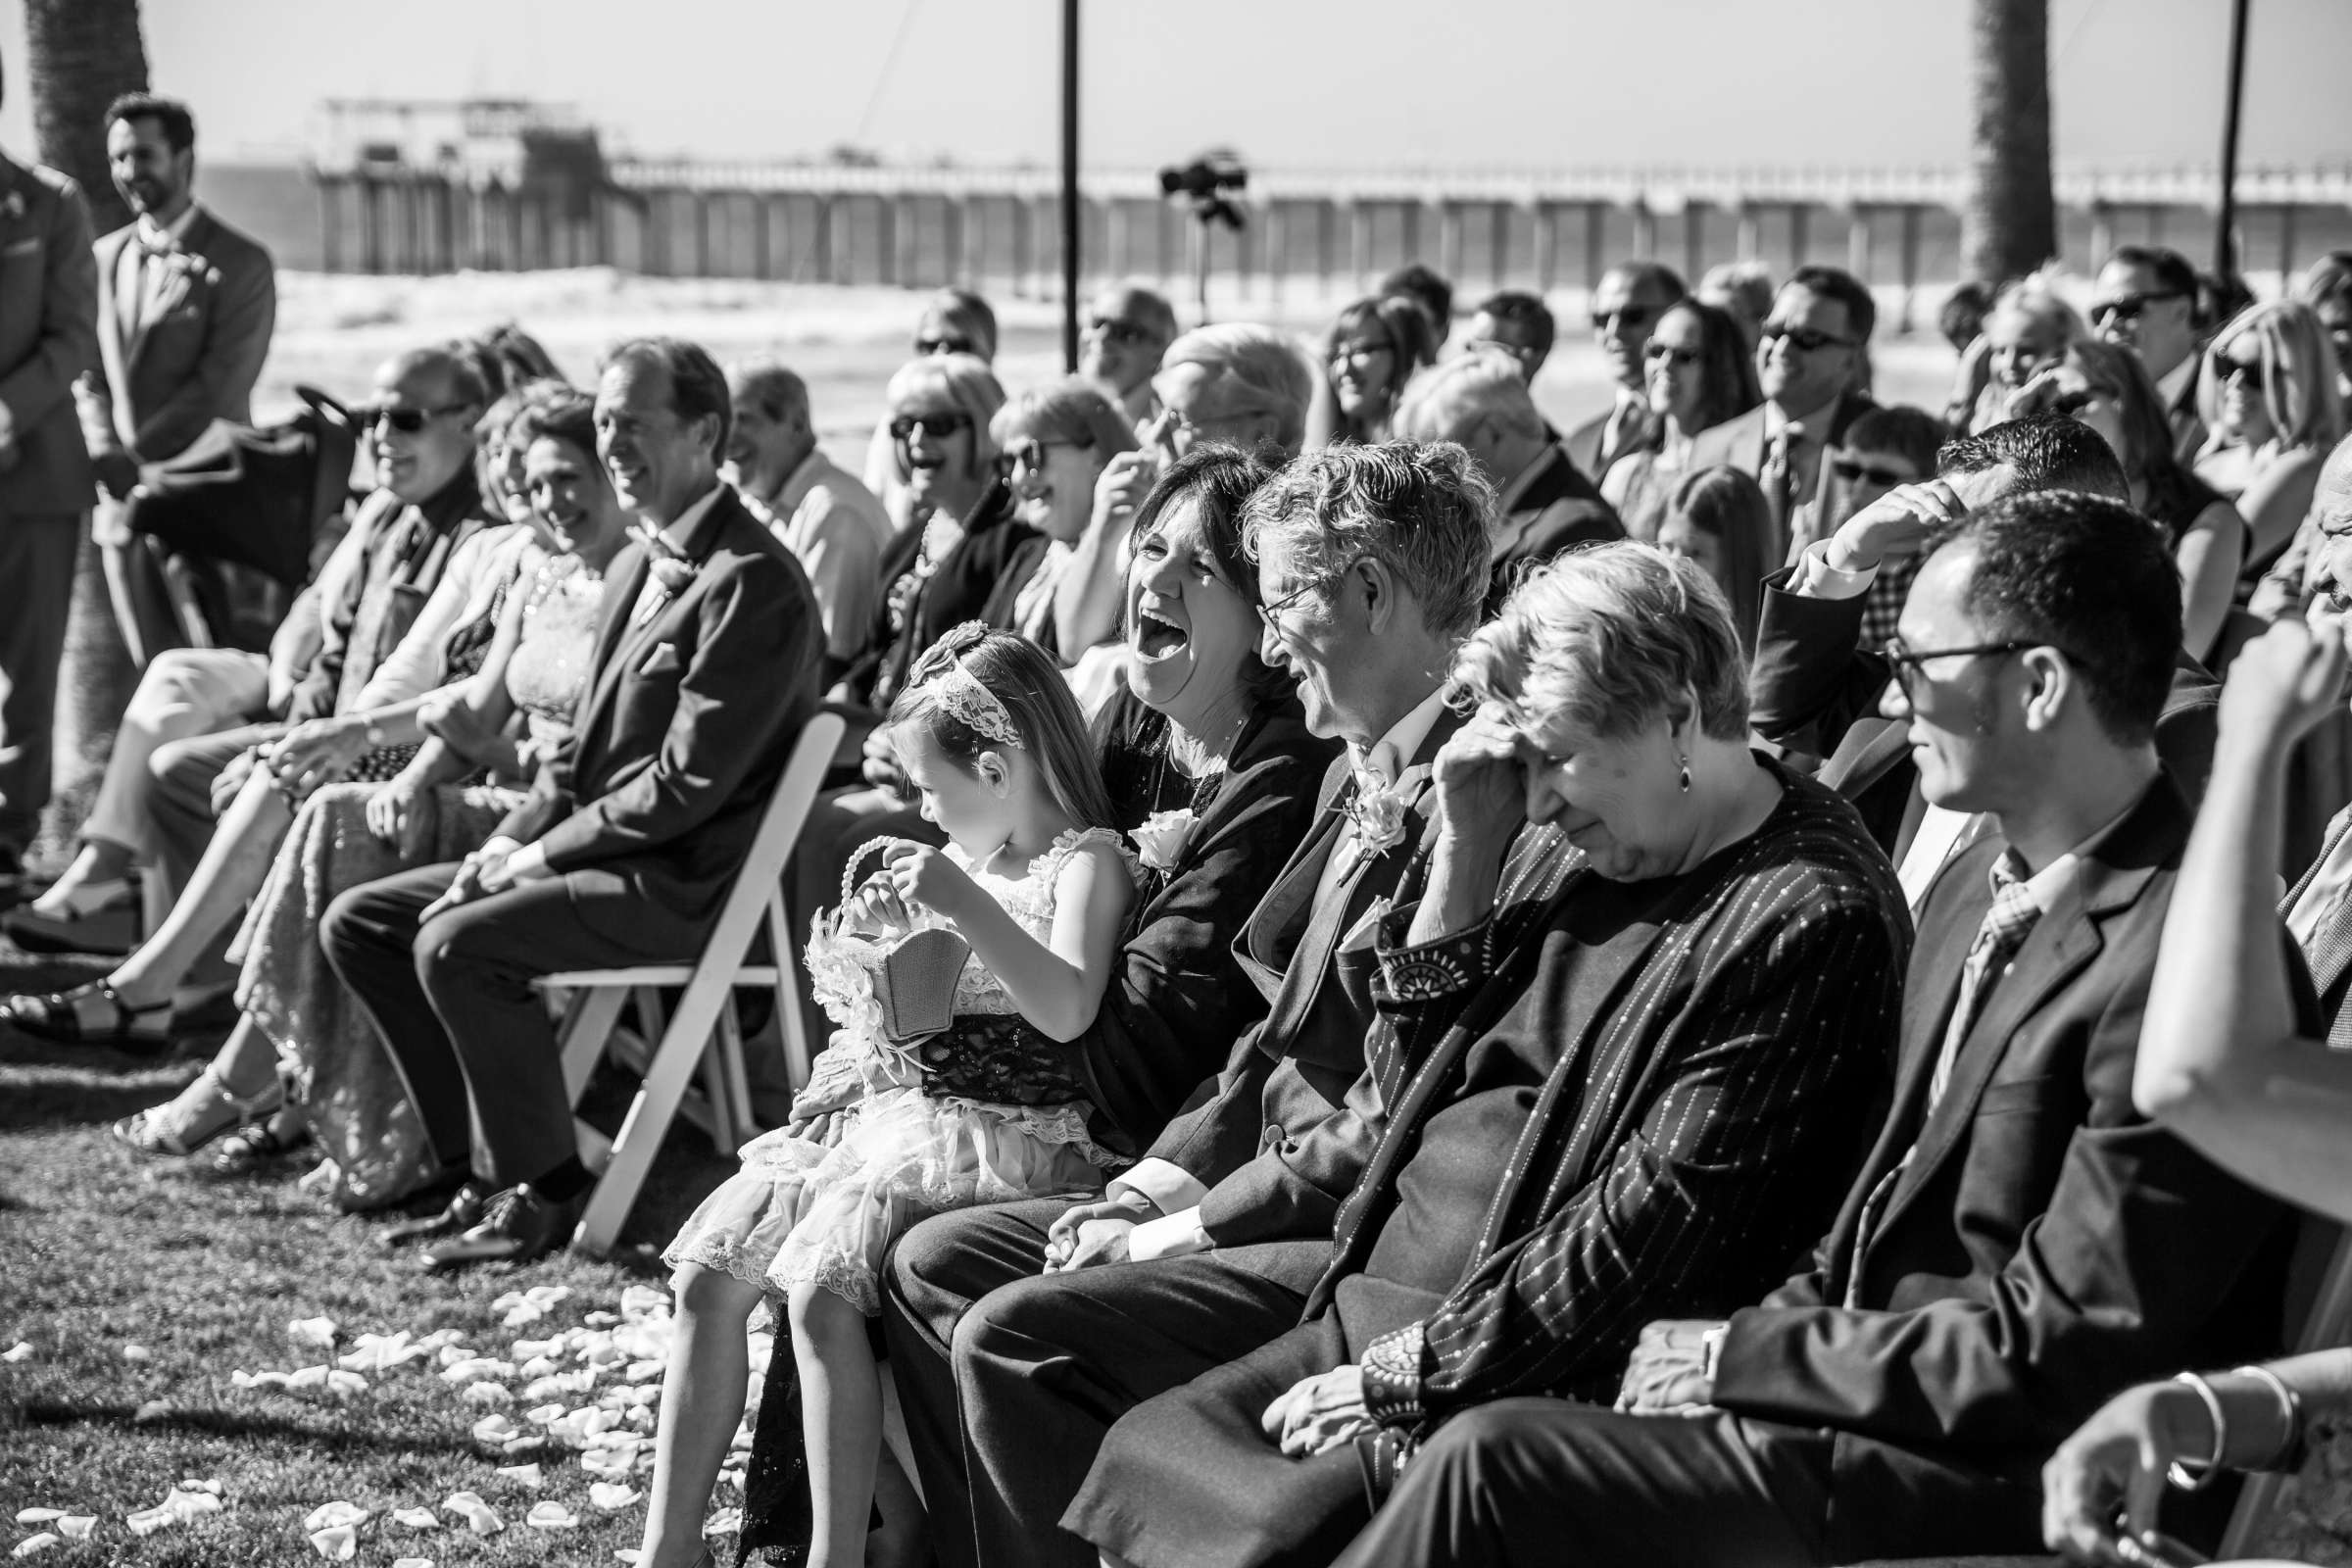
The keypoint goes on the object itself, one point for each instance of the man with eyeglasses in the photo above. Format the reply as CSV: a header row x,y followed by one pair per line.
x,y
2021,1243
1627,303
2145,300
1127,329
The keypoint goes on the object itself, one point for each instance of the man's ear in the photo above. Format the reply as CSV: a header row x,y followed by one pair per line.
x,y
2052,682
1380,591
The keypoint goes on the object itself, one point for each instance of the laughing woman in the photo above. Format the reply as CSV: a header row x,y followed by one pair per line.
x,y
1052,446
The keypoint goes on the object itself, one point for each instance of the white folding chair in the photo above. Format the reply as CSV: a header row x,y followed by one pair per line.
x,y
701,1036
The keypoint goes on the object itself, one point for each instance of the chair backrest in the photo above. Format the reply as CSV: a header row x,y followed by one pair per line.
x,y
763,863
2320,1316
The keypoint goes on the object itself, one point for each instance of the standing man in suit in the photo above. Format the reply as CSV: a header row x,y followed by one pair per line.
x,y
2145,299
1365,600
2022,1242
47,338
1811,363
185,307
1627,303
707,665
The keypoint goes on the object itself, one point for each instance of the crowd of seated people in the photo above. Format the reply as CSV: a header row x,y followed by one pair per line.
x,y
1708,986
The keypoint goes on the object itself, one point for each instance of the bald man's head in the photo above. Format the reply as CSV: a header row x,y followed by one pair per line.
x,y
421,421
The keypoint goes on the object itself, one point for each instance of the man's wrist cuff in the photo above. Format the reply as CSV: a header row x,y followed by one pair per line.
x,y
1394,1366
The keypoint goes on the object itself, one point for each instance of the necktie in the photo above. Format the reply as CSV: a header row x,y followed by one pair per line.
x,y
131,285
1999,934
1628,429
1777,479
2329,951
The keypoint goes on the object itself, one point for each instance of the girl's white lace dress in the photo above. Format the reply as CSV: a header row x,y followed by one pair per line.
x,y
804,1211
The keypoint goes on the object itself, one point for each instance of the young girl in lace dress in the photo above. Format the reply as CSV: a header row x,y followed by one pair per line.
x,y
887,1131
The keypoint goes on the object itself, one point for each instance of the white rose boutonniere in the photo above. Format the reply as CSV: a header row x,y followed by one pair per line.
x,y
1159,843
1378,814
672,572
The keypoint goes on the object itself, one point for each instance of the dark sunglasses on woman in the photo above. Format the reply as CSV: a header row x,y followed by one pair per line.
x,y
943,424
1853,470
1653,351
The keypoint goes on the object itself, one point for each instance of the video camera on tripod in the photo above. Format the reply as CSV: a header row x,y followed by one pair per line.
x,y
1205,182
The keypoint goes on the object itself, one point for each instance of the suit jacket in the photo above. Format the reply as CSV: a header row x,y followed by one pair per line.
x,y
1812,688
1243,1135
683,728
198,350
2045,1245
1741,442
48,337
1556,508
1712,1050
1582,445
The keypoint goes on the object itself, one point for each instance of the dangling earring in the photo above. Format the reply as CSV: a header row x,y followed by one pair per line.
x,y
1685,758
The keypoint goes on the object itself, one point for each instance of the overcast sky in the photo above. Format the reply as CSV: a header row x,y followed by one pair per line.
x,y
1299,84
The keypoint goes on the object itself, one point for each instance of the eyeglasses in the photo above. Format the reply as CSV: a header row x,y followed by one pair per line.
x,y
1358,353
2249,371
2128,307
1272,612
943,345
1631,317
1804,339
405,419
1853,470
1681,358
1031,455
1119,331
1905,662
942,423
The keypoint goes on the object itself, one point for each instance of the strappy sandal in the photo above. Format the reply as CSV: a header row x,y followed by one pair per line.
x,y
259,1145
75,1018
158,1131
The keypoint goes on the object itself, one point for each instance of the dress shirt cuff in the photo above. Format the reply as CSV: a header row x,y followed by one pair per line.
x,y
1817,578
1452,963
1165,1183
1394,1366
528,864
1177,1234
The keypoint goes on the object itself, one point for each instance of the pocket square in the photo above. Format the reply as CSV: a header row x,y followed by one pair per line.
x,y
662,661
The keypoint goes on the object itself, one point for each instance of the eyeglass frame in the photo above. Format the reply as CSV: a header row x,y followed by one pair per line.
x,y
1851,469
374,415
2132,307
1322,582
1903,665
1657,349
1796,338
1118,329
1008,460
954,422
929,347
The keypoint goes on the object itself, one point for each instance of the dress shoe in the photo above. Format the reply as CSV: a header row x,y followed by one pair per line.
x,y
465,1211
519,1226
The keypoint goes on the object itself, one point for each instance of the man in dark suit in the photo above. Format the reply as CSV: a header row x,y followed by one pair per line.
x,y
1814,689
2146,299
707,665
1627,303
47,297
185,307
1228,1217
2021,1243
1544,504
1811,363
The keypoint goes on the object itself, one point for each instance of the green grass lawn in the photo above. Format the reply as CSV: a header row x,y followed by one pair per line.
x,y
141,1287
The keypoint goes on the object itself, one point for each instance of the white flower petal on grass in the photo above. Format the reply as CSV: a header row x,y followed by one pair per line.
x,y
475,1368
540,1415
186,1503
640,1371
307,1379
539,1368
138,1352
39,1516
548,1295
603,1462
610,1496
416,1518
528,1475
22,1350
32,1543
338,1544
313,1333
725,1522
731,1478
440,1340
487,1392
494,1429
523,1317
469,1506
532,1350
450,1353
601,1320
628,1554
198,1484
242,1379
327,1515
551,1517
641,1300
343,1385
412,1562
77,1526
147,1521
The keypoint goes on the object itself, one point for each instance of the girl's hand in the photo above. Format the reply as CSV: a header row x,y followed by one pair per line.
x,y
923,875
875,908
2116,1460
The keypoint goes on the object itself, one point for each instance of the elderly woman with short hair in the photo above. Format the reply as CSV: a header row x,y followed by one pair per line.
x,y
1629,1021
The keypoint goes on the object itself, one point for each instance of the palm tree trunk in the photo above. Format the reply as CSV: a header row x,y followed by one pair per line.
x,y
81,53
2009,224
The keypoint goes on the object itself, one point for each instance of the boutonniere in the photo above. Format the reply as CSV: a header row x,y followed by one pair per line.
x,y
672,571
1378,813
1159,843
12,205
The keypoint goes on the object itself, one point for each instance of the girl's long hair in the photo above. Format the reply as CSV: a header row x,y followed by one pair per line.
x,y
1021,676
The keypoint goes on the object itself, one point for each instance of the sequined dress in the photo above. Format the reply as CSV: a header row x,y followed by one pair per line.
x,y
804,1211
338,1075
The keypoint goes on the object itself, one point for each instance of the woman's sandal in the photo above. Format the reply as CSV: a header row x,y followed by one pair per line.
x,y
158,1130
91,1015
80,902
258,1146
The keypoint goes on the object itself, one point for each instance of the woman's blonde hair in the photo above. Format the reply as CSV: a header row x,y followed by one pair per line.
x,y
1072,410
1025,681
970,387
2298,372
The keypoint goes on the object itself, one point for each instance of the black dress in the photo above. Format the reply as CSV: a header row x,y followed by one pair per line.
x,y
924,600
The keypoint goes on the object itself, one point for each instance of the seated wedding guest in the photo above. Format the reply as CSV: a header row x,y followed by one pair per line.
x,y
2108,389
2268,397
1243,385
1373,349
299,1028
1742,291
830,522
956,320
371,595
1697,372
632,831
1543,505
1883,448
2145,300
1716,519
1627,304
1371,563
1513,323
1810,365
2328,289
1127,329
2028,331
1052,447
520,358
1960,318
1624,1076
1429,288
2022,1242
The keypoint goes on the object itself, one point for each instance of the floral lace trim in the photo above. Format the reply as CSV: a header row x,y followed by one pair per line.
x,y
719,1252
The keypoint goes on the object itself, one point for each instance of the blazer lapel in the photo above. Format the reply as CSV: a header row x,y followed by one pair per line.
x,y
621,588
1274,927
113,360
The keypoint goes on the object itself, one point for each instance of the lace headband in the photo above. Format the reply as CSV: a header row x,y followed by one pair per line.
x,y
972,705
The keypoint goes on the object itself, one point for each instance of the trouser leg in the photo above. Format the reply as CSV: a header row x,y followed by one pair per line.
x,y
36,567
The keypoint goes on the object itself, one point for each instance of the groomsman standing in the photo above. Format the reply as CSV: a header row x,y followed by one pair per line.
x,y
47,340
186,306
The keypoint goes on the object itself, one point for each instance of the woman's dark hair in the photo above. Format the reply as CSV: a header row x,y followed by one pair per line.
x,y
1961,317
1219,480
518,356
1404,320
558,413
1730,507
1726,370
1028,685
2169,492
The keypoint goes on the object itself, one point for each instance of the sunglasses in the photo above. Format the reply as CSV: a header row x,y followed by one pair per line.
x,y
2248,371
944,423
1359,353
1905,662
2128,307
1632,316
1681,358
1116,331
406,421
1030,455
1853,470
1804,339
943,345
